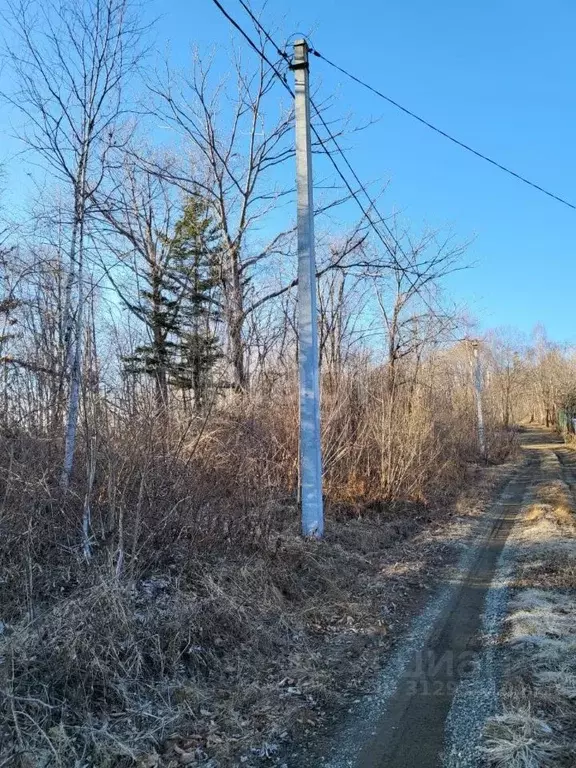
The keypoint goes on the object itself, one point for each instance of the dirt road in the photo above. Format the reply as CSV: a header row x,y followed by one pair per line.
x,y
439,686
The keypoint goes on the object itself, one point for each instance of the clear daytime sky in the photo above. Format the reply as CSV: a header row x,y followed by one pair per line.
x,y
499,75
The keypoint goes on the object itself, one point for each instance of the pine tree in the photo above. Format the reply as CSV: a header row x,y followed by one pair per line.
x,y
159,310
195,249
181,308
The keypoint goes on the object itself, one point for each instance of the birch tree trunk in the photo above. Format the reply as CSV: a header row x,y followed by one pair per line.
x,y
70,62
73,343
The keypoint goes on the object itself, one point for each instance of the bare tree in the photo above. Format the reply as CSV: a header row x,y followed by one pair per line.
x,y
71,62
551,375
139,213
507,377
234,157
344,322
407,296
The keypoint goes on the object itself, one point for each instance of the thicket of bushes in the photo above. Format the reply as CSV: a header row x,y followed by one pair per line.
x,y
197,575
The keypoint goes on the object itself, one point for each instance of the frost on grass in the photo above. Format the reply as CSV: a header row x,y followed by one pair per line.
x,y
520,740
227,659
536,726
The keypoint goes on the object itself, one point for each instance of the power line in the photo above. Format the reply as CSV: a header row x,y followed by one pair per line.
x,y
274,69
362,187
257,23
284,55
446,135
332,138
409,112
253,45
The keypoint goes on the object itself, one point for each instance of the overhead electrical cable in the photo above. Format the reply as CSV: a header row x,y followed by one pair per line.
x,y
443,133
319,139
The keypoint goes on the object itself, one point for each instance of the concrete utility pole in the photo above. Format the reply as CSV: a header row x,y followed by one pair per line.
x,y
478,390
310,456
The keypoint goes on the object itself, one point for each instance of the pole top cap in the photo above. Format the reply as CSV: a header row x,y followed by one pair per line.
x,y
301,49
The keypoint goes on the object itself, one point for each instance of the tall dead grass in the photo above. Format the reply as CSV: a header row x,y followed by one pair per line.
x,y
196,619
215,657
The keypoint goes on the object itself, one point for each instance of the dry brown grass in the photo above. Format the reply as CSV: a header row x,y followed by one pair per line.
x,y
220,659
537,724
520,740
204,627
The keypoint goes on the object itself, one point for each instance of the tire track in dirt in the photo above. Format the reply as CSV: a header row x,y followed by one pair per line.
x,y
411,730
477,697
405,724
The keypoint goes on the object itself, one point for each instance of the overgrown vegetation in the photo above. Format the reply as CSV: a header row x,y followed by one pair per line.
x,y
199,596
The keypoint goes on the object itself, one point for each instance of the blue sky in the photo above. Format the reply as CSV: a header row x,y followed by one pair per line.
x,y
498,75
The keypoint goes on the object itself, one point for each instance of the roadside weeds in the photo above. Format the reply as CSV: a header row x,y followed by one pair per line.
x,y
232,661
